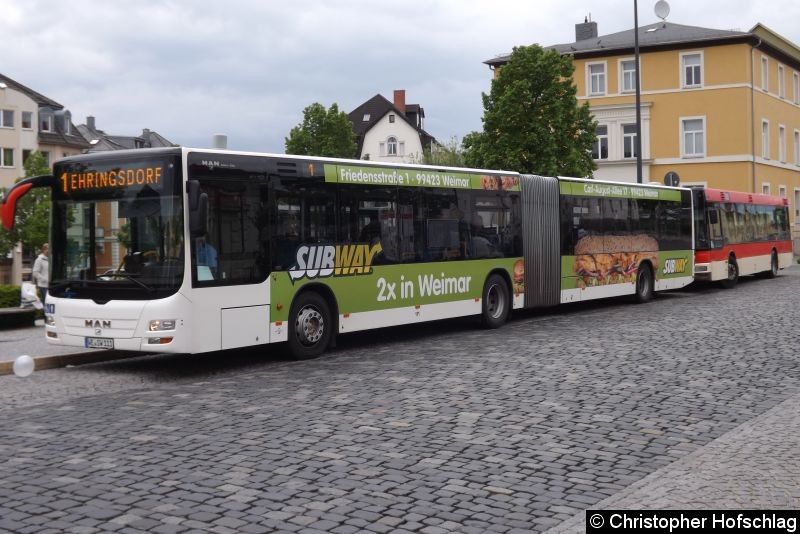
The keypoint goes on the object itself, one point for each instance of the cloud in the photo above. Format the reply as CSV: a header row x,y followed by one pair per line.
x,y
191,68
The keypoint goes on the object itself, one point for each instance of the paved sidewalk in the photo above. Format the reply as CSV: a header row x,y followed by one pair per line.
x,y
31,341
754,466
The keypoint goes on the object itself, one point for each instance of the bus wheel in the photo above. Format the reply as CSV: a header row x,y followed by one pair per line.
x,y
733,274
496,302
773,266
644,283
310,326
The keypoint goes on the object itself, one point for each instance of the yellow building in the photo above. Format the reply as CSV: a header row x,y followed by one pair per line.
x,y
720,108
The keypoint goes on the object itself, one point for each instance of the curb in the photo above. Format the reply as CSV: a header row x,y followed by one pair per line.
x,y
63,360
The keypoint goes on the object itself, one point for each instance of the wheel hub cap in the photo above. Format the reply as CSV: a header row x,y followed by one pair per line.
x,y
309,326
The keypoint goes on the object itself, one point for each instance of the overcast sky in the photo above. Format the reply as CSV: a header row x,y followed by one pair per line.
x,y
191,68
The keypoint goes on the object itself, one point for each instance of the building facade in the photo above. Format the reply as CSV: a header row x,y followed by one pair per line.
x,y
719,108
30,121
390,131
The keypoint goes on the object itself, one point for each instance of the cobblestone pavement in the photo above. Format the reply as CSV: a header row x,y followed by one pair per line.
x,y
754,466
431,429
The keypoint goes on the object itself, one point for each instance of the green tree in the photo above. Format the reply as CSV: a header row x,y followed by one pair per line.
x,y
323,133
449,154
32,222
532,122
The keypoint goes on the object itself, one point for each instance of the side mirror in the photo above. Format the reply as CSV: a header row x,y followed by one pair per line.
x,y
713,218
198,209
8,207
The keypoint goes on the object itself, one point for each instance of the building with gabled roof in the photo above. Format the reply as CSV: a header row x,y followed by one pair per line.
x,y
100,141
390,131
30,121
718,107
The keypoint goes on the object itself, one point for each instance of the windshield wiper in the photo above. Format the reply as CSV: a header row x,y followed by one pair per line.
x,y
132,279
86,283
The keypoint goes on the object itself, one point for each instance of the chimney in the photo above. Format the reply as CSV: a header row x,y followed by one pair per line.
x,y
219,142
400,100
90,122
587,30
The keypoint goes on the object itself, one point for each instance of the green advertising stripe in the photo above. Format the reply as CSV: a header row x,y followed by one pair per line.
x,y
600,189
393,286
406,177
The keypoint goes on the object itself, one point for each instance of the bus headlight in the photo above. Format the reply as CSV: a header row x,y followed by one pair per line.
x,y
49,320
157,325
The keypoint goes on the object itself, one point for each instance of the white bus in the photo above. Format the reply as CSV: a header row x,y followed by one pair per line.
x,y
189,251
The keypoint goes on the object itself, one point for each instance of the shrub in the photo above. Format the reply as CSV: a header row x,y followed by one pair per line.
x,y
9,296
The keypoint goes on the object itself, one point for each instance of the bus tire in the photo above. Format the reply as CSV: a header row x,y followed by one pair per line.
x,y
310,326
496,302
645,284
733,273
773,266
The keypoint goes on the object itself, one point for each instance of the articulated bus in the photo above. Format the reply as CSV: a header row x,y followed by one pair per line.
x,y
187,250
740,234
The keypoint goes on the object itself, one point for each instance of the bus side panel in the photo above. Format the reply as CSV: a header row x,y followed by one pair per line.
x,y
541,240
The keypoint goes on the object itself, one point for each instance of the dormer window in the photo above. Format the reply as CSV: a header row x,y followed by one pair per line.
x,y
391,117
366,117
46,123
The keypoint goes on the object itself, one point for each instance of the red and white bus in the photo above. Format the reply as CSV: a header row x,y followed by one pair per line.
x,y
739,234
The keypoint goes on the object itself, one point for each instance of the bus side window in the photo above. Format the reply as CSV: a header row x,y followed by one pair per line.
x,y
368,214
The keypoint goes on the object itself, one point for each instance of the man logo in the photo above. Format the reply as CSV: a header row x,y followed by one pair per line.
x,y
94,323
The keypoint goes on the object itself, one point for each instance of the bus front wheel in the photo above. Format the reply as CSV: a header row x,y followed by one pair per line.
x,y
310,326
733,274
496,302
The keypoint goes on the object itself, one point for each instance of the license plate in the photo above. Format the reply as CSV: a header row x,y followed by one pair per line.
x,y
99,343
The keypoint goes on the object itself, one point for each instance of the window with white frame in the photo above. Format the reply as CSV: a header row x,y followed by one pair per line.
x,y
781,82
391,146
765,139
627,69
796,206
597,78
781,143
692,71
6,157
764,73
27,120
7,118
782,191
46,123
796,87
797,147
765,188
628,141
600,147
693,134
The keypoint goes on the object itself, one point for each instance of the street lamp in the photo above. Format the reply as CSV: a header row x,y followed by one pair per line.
x,y
638,143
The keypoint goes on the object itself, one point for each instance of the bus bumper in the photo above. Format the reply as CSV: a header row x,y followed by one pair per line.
x,y
143,326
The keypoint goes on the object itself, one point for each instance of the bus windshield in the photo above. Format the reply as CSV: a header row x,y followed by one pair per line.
x,y
117,230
